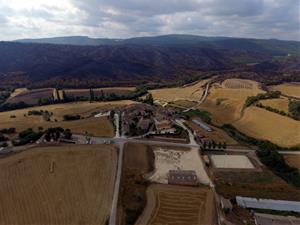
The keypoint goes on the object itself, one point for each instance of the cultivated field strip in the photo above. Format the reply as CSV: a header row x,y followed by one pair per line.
x,y
78,191
175,205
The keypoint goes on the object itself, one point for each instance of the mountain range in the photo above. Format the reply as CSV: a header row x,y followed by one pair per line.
x,y
82,61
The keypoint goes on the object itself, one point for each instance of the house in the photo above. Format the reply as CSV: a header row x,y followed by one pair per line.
x,y
162,125
183,177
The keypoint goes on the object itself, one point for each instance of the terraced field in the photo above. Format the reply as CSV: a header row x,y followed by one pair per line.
x,y
262,124
58,185
174,205
225,101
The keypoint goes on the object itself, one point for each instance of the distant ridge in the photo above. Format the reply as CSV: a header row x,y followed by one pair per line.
x,y
272,46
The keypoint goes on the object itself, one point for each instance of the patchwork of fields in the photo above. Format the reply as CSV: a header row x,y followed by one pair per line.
x,y
95,126
58,185
226,100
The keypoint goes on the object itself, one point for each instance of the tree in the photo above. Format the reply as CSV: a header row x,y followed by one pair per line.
x,y
92,95
67,134
209,145
149,99
219,145
204,145
214,144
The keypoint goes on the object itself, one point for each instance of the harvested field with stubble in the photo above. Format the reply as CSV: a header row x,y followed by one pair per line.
x,y
262,124
191,93
58,185
225,101
95,126
281,103
174,205
289,89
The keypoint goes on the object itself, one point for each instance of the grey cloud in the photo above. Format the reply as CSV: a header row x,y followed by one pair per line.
x,y
127,18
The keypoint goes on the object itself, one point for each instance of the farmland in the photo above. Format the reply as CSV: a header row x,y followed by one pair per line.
x,y
138,161
96,126
226,100
254,184
288,89
281,103
30,96
178,205
191,93
262,124
293,160
98,91
58,185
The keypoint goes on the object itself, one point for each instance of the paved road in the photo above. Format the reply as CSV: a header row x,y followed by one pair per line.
x,y
114,207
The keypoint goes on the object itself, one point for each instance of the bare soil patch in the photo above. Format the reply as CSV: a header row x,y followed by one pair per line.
x,y
138,161
254,184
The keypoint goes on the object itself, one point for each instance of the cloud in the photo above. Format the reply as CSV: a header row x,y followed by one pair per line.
x,y
128,18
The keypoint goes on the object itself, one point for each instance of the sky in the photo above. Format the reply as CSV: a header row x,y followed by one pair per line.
x,y
130,18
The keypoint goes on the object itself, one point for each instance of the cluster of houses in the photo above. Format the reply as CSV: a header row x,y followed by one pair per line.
x,y
142,119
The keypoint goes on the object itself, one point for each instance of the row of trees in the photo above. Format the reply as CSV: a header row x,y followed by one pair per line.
x,y
253,99
212,145
273,160
280,112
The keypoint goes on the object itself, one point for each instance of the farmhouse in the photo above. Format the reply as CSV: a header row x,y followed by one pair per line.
x,y
163,125
183,177
202,125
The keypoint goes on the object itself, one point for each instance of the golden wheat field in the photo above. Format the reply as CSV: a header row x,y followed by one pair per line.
x,y
191,93
58,185
281,103
262,124
225,101
293,160
95,126
174,205
289,89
